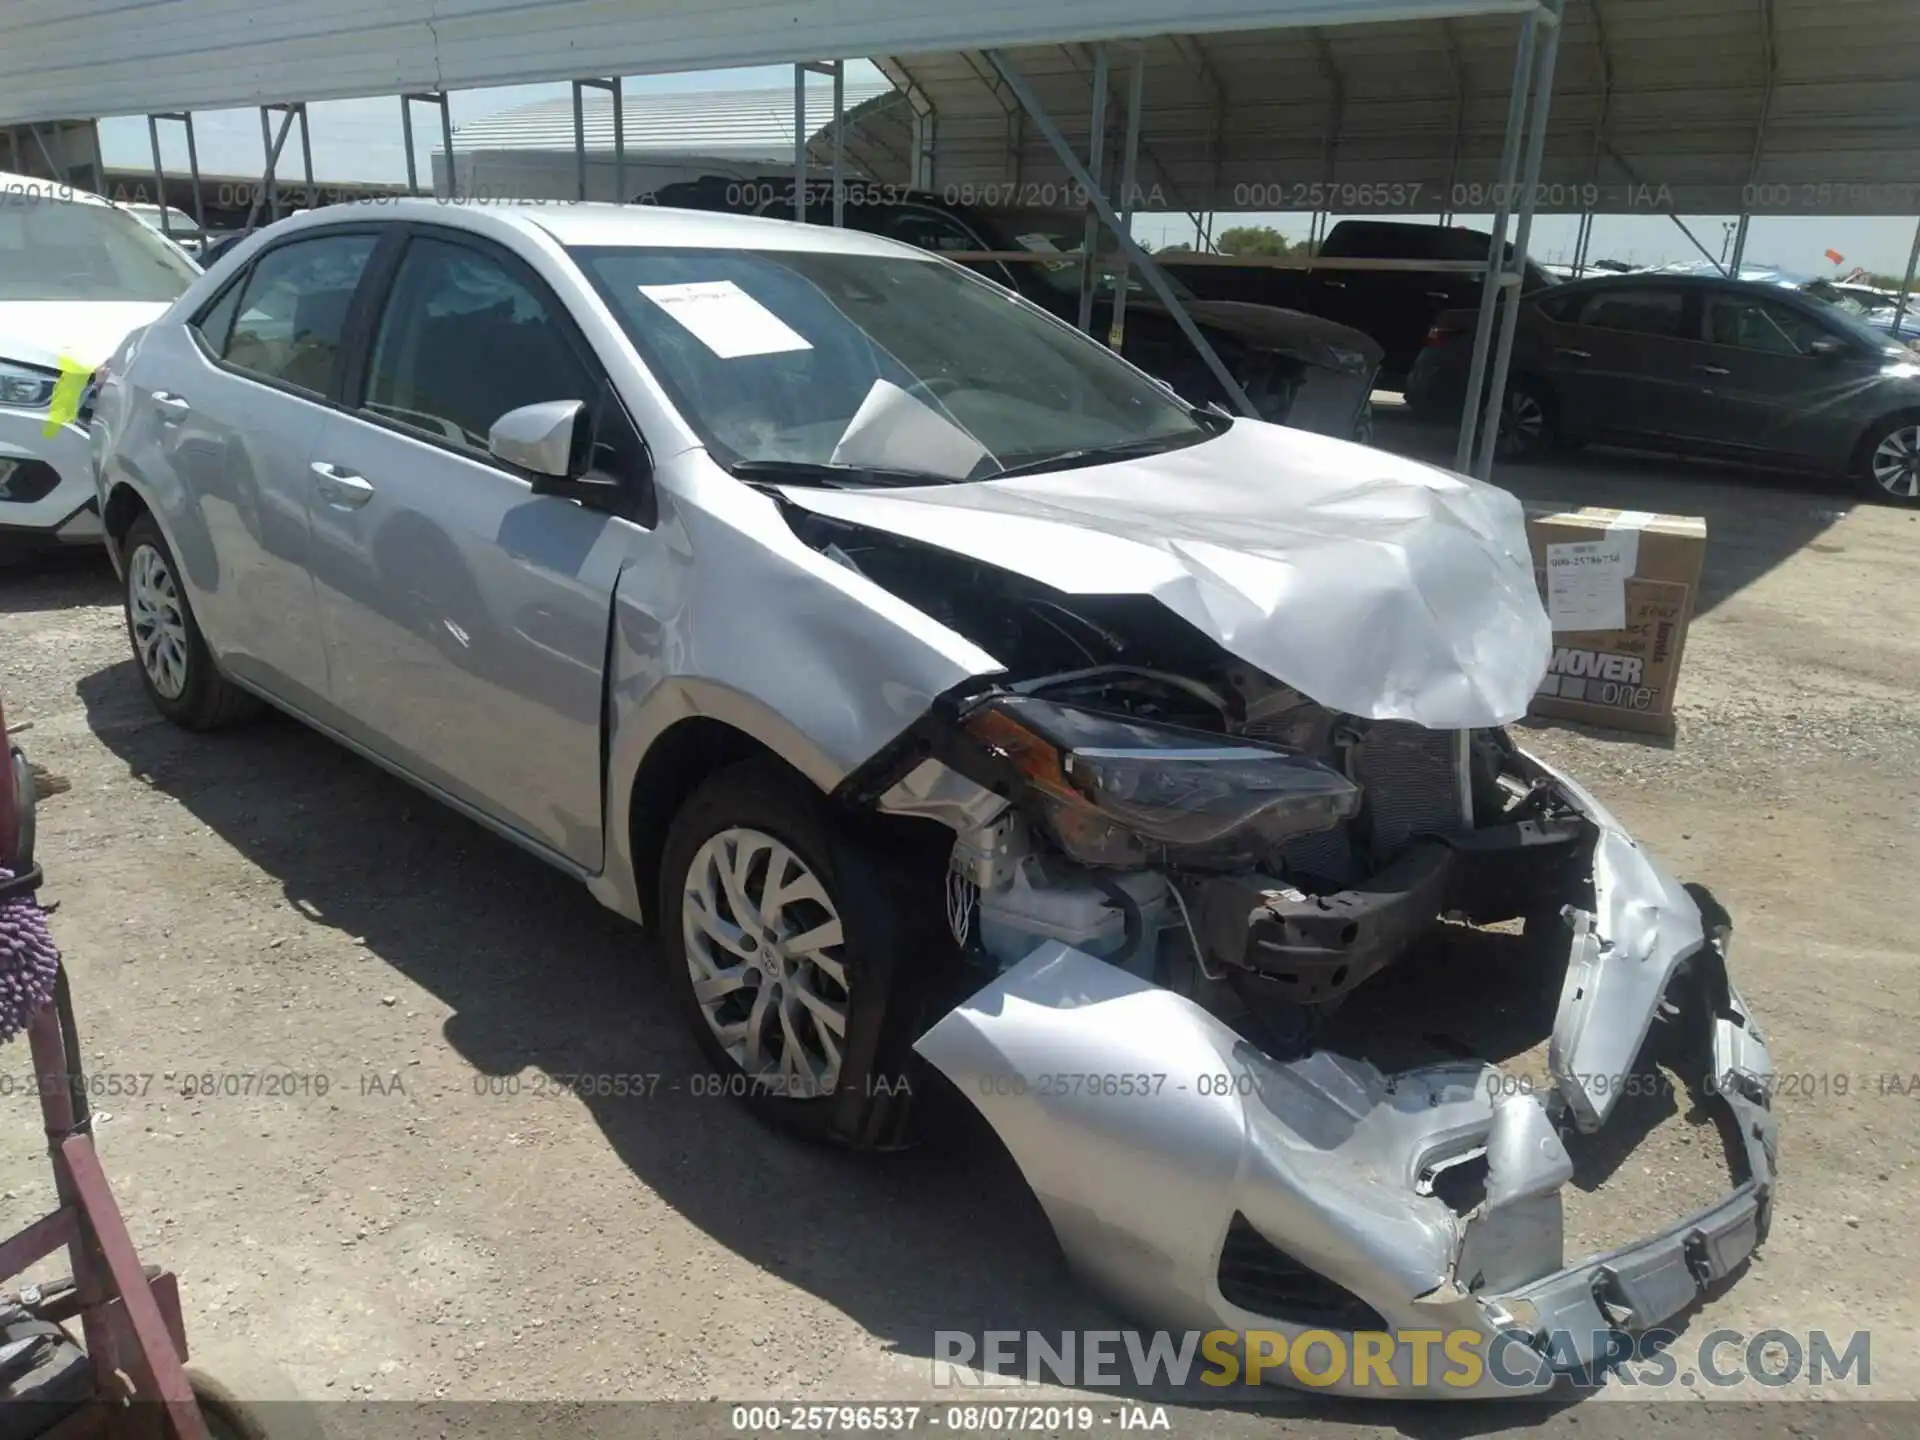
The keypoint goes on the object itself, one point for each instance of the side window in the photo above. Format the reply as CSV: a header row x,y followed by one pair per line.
x,y
463,341
1558,308
293,307
1641,312
216,321
1761,325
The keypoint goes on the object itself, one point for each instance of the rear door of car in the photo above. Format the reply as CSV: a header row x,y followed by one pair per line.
x,y
1620,361
1764,387
466,617
225,412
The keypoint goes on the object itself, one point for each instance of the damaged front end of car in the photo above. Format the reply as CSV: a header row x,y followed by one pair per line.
x,y
1183,880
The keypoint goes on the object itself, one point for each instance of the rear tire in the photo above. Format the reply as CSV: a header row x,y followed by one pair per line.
x,y
176,668
816,1037
1527,427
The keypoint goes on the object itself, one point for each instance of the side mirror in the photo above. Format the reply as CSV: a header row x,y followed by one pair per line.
x,y
544,439
552,443
1827,349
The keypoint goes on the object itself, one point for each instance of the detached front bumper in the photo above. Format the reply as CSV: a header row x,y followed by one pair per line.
x,y
47,495
1200,1185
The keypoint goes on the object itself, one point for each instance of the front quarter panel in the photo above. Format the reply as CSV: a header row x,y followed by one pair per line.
x,y
731,617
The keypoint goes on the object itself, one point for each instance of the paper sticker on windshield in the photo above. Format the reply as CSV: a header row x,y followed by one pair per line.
x,y
724,318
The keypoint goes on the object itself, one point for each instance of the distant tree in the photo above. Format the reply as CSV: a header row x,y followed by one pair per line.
x,y
1177,247
1261,240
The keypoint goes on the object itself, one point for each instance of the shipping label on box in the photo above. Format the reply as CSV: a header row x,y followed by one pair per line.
x,y
1620,588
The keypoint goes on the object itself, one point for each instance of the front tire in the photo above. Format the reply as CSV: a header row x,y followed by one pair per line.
x,y
1889,463
801,953
176,668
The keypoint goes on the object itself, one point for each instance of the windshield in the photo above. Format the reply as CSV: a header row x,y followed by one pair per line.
x,y
852,362
58,247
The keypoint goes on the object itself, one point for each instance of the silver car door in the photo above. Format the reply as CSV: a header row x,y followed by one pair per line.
x,y
466,616
223,414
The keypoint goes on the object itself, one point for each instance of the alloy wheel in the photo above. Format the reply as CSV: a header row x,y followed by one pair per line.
x,y
764,945
1523,422
158,621
1896,463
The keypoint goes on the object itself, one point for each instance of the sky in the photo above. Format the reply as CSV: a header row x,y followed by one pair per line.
x,y
361,140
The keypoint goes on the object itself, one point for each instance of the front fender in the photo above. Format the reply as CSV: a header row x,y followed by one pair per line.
x,y
803,655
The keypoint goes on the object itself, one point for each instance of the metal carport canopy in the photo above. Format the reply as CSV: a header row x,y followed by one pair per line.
x,y
1702,107
82,59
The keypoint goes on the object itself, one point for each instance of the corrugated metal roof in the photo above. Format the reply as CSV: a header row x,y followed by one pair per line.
x,y
1649,94
1658,104
88,58
733,124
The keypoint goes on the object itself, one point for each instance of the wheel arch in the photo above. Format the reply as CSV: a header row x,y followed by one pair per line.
x,y
684,756
125,504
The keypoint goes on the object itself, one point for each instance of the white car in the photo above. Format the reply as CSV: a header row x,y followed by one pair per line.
x,y
77,276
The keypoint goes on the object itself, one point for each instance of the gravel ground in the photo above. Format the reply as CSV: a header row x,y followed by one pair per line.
x,y
421,1210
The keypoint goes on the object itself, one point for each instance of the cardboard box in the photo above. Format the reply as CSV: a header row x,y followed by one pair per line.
x,y
1619,587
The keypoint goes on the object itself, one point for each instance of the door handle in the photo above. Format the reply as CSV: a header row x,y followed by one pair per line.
x,y
1439,295
1714,369
171,403
1334,284
1576,354
340,487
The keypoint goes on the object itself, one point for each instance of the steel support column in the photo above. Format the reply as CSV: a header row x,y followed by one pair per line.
x,y
1759,135
273,160
1136,92
839,164
1096,153
438,99
1515,278
800,143
615,88
185,117
1494,279
1906,285
1144,263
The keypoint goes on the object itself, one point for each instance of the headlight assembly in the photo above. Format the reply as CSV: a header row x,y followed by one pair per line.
x,y
1114,791
26,387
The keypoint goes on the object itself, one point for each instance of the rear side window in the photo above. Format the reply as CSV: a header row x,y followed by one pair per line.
x,y
463,341
292,309
1640,312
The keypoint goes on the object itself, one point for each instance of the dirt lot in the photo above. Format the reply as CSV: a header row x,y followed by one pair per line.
x,y
422,1213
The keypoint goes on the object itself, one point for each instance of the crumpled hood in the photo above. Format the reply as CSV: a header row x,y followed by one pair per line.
x,y
1373,584
39,332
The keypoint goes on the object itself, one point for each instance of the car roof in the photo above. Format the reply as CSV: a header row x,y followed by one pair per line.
x,y
594,224
36,185
1641,279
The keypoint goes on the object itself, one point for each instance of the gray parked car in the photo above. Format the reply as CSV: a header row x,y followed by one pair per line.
x,y
946,691
1742,370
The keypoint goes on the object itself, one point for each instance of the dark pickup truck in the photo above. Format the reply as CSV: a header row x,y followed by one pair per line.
x,y
1395,307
